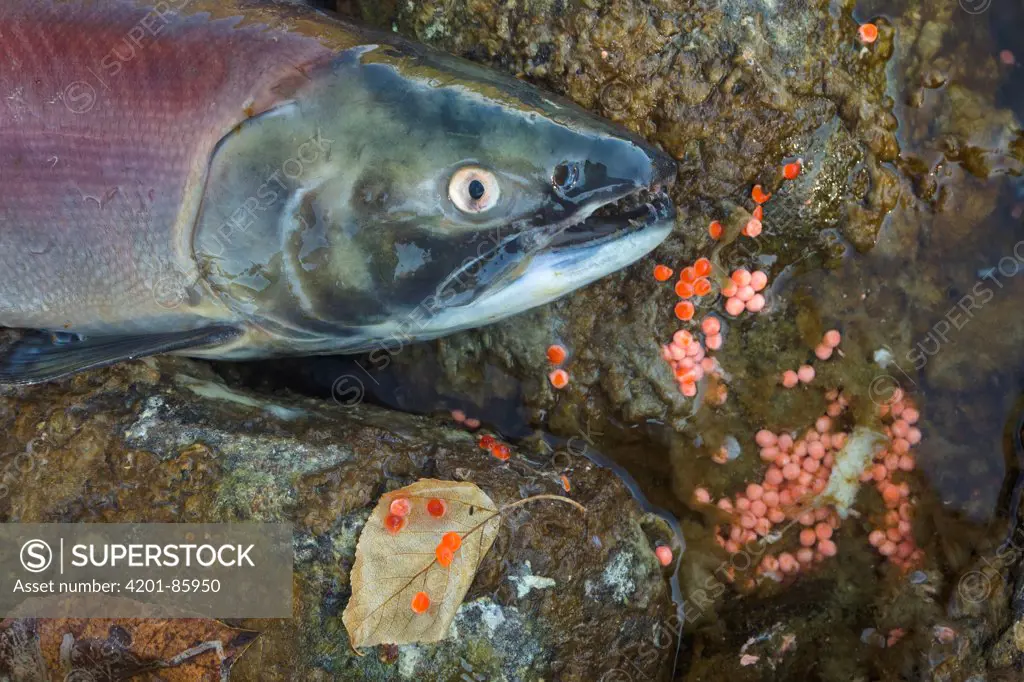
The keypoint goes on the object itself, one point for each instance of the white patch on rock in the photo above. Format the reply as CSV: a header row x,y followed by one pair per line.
x,y
527,582
490,614
618,576
140,428
409,656
436,29
285,413
215,391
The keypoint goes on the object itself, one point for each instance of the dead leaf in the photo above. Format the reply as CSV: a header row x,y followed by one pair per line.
x,y
391,568
185,649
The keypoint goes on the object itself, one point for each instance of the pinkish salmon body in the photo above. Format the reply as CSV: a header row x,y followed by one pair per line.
x,y
237,179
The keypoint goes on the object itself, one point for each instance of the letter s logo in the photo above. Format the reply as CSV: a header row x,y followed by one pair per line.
x,y
36,556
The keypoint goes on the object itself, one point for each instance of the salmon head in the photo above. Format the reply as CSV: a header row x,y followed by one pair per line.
x,y
401,192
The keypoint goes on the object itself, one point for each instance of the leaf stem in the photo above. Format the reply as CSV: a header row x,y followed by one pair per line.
x,y
535,498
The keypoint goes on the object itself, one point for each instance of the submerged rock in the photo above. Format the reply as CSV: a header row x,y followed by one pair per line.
x,y
166,441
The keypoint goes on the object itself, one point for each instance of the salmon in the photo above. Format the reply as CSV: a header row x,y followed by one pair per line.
x,y
240,179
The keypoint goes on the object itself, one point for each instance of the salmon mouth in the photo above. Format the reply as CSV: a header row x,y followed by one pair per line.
x,y
631,213
627,219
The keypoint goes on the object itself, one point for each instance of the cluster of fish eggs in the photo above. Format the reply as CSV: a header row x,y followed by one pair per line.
x,y
741,292
894,538
798,472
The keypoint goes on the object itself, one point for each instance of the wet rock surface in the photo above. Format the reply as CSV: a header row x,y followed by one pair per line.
x,y
557,597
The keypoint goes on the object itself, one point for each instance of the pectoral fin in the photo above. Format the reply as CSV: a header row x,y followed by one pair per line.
x,y
45,357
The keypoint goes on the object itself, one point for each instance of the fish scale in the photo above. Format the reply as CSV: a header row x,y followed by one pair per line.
x,y
129,182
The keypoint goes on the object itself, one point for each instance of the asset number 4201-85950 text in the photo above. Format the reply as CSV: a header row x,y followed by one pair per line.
x,y
176,585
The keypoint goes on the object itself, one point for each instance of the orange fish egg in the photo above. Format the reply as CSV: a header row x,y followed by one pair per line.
x,y
702,287
686,376
711,325
565,482
664,555
682,338
394,523
756,304
684,289
662,273
501,451
557,354
436,507
400,506
758,213
452,540
715,230
420,602
688,274
868,33
808,537
684,310
758,195
734,306
752,228
486,442
805,373
740,277
702,267
559,378
791,170
444,555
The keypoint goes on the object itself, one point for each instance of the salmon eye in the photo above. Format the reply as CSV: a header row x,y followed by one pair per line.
x,y
474,190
